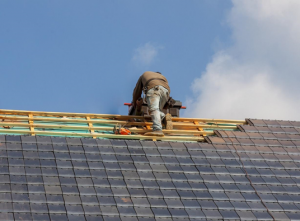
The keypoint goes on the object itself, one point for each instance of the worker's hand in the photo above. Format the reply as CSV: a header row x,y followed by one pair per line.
x,y
139,102
133,104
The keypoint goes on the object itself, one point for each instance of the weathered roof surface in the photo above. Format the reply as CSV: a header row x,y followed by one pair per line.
x,y
252,174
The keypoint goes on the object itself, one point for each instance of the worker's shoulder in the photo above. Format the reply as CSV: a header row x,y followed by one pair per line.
x,y
152,74
149,73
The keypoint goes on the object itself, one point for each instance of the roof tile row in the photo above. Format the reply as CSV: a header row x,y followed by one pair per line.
x,y
249,174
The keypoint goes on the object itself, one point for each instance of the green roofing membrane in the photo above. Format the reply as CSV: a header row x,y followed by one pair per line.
x,y
47,123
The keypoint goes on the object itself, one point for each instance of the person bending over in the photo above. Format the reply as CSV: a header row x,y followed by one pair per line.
x,y
157,91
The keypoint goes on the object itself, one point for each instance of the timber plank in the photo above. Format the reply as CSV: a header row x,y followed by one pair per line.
x,y
110,136
95,128
114,116
114,122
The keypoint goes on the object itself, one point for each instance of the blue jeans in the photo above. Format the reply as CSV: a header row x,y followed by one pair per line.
x,y
156,99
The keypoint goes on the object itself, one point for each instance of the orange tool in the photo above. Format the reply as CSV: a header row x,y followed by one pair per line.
x,y
121,130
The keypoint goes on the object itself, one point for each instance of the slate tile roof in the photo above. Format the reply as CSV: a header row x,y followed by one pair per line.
x,y
251,174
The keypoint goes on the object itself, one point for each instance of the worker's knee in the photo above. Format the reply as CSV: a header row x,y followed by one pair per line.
x,y
153,103
152,109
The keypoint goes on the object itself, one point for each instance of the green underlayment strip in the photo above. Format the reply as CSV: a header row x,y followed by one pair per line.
x,y
61,130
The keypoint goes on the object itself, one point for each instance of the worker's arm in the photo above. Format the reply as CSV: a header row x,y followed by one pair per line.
x,y
137,92
138,108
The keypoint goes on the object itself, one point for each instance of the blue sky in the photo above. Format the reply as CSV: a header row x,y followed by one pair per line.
x,y
86,56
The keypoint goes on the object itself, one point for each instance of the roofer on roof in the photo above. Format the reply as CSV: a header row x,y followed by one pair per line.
x,y
157,91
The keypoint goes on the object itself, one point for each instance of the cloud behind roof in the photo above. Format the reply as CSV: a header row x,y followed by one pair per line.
x,y
145,54
259,75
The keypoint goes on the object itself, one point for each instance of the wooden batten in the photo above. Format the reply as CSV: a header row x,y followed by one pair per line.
x,y
177,125
30,122
114,116
109,136
101,125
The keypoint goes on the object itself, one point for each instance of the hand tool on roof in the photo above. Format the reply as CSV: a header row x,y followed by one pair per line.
x,y
121,130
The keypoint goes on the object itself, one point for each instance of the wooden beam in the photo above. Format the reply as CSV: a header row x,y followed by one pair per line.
x,y
115,116
99,135
199,128
90,126
208,120
177,125
60,114
31,127
70,127
68,120
185,129
147,126
193,126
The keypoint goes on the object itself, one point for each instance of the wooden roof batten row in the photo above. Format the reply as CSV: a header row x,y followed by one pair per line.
x,y
101,125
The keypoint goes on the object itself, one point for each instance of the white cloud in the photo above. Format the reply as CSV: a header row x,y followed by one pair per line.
x,y
145,54
259,75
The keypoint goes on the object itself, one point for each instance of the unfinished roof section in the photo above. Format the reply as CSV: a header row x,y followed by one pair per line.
x,y
101,125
